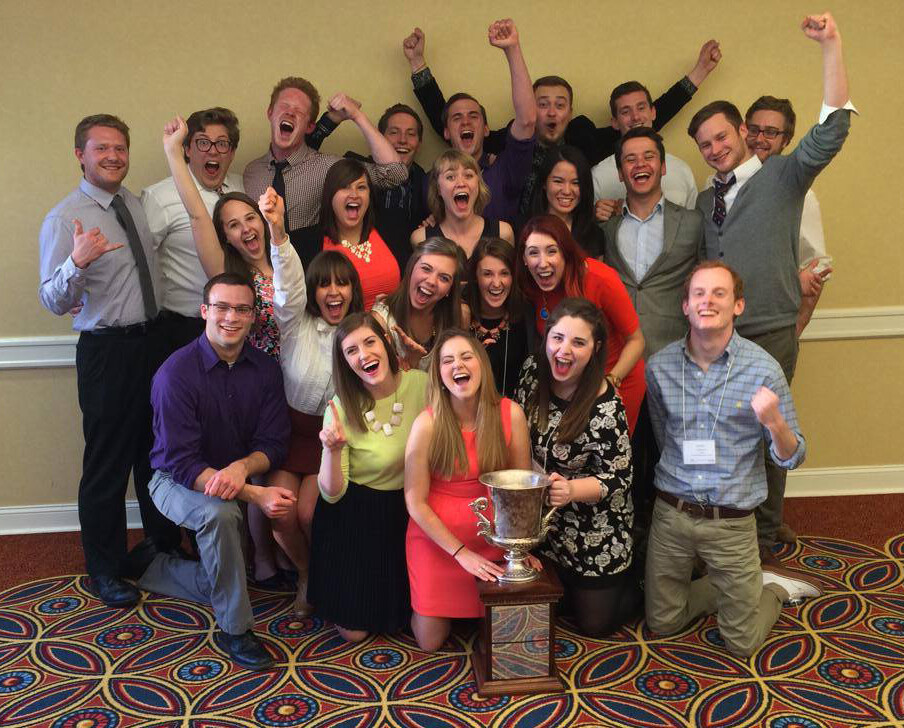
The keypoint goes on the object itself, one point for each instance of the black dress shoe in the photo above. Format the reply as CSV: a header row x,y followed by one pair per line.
x,y
114,592
245,649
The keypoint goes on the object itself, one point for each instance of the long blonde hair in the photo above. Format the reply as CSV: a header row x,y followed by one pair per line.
x,y
446,454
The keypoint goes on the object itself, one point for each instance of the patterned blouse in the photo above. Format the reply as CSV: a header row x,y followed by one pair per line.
x,y
586,539
265,331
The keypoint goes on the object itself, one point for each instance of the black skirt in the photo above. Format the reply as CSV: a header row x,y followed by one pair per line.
x,y
358,574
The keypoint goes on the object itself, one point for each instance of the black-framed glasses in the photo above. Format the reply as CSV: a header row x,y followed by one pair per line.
x,y
203,144
770,132
224,308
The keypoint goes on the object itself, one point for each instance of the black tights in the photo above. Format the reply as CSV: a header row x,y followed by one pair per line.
x,y
600,612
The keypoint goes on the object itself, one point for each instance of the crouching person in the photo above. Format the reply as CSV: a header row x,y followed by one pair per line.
x,y
713,397
220,418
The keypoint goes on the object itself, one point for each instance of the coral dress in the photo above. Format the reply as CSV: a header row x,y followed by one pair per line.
x,y
439,586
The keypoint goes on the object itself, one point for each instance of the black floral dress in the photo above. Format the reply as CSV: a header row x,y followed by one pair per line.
x,y
588,541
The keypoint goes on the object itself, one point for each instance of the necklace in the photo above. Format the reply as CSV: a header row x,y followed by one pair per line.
x,y
361,250
486,336
394,421
544,312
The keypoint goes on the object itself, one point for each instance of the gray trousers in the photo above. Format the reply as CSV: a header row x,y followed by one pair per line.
x,y
783,346
219,578
732,589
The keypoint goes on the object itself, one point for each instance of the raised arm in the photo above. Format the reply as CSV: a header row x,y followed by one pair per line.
x,y
289,292
503,34
210,253
823,30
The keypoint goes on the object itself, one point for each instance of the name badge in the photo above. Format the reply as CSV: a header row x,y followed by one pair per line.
x,y
699,452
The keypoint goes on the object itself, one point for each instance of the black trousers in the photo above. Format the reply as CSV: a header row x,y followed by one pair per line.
x,y
114,383
178,331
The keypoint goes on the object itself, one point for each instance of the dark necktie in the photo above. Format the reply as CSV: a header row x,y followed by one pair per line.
x,y
721,188
141,261
279,186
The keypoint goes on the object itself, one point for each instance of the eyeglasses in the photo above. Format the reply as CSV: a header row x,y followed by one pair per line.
x,y
203,144
770,132
224,308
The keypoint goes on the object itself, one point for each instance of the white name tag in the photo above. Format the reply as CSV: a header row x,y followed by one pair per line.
x,y
699,452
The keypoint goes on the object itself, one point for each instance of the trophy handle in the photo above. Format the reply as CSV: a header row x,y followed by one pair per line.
x,y
484,527
544,522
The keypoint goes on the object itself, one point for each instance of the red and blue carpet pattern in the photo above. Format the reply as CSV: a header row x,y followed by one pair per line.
x,y
66,661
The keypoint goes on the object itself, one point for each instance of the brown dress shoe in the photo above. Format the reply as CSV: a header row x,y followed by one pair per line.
x,y
786,534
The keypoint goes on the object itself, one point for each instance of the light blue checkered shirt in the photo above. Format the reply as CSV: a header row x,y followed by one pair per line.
x,y
738,478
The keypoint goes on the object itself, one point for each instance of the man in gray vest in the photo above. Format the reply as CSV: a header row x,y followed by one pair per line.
x,y
752,222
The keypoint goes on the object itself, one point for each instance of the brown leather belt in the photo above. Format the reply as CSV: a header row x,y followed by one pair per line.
x,y
700,511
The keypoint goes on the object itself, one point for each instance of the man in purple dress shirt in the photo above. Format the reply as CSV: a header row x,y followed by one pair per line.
x,y
220,418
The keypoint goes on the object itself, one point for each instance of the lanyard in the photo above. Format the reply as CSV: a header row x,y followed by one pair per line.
x,y
722,397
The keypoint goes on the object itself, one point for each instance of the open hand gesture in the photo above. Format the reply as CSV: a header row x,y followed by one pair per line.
x,y
503,34
416,352
820,27
274,210
175,131
333,437
89,246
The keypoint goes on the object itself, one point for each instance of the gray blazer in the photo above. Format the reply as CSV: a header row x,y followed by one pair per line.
x,y
657,298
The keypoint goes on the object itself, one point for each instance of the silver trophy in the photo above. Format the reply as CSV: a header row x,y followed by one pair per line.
x,y
518,497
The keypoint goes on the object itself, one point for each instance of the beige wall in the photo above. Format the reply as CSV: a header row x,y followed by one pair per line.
x,y
148,61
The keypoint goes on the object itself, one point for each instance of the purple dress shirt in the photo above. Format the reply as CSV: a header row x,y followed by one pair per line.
x,y
208,414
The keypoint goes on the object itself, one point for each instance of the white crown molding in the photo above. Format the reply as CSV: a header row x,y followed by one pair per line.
x,y
35,352
804,483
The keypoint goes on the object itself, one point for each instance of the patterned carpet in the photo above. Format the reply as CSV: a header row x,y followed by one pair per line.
x,y
67,661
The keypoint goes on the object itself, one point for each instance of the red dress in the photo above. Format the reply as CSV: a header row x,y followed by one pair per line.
x,y
604,288
439,586
379,274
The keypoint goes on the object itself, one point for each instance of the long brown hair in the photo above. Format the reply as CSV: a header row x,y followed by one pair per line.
x,y
341,175
447,311
353,395
447,455
577,414
233,262
574,255
501,250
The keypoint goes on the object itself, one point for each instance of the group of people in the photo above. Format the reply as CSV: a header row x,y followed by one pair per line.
x,y
344,344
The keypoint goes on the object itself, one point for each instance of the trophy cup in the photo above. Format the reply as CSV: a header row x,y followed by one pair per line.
x,y
514,652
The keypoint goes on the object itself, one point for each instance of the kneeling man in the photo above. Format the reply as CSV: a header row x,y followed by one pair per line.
x,y
220,418
713,397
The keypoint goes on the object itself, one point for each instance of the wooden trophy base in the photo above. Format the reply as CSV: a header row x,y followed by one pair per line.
x,y
514,652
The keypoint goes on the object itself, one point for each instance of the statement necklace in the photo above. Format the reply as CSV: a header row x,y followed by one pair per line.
x,y
544,312
387,427
361,251
486,336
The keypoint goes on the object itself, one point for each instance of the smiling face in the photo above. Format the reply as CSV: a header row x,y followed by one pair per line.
x,y
458,187
333,300
290,119
631,110
569,346
366,356
227,329
431,279
544,260
553,113
459,368
350,203
494,280
244,230
722,146
210,167
465,127
105,158
711,306
563,190
765,122
401,132
641,168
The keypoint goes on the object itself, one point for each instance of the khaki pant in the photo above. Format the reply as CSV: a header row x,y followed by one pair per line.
x,y
733,587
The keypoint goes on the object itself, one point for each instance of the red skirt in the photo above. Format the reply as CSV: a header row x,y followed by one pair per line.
x,y
304,443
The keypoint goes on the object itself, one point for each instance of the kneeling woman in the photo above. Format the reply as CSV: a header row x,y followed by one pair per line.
x,y
358,576
467,430
579,435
